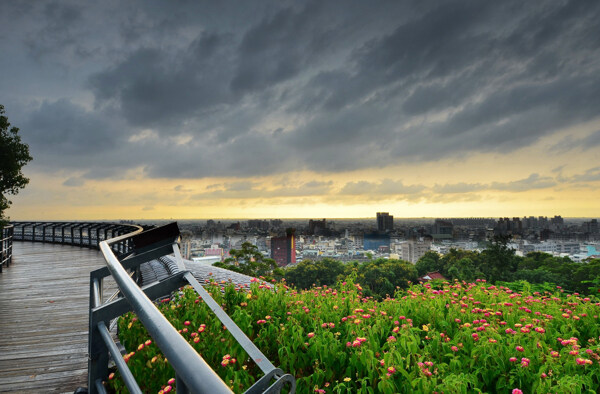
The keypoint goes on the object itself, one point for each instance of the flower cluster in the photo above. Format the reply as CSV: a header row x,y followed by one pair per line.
x,y
337,339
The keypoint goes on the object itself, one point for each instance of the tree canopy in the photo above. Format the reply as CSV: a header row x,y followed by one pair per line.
x,y
14,154
249,261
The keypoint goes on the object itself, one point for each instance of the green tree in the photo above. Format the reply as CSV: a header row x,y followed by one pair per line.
x,y
430,262
248,260
308,273
381,277
499,262
14,154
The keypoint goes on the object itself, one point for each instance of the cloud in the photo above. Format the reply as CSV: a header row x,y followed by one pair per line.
x,y
457,188
241,90
254,190
74,182
533,181
573,142
590,175
385,189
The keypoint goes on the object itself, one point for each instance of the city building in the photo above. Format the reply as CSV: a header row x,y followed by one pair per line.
x,y
413,249
283,249
385,222
374,240
442,230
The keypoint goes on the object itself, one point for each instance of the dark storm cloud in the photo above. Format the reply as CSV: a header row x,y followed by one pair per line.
x,y
67,130
271,87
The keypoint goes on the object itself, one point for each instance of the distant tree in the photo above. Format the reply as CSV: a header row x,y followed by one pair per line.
x,y
318,273
499,262
429,262
249,261
381,277
13,156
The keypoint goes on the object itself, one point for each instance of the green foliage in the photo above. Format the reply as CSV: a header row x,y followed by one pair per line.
x,y
13,156
309,273
249,261
499,261
382,276
458,338
430,262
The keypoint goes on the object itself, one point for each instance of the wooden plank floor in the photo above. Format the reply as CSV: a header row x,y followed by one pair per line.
x,y
44,301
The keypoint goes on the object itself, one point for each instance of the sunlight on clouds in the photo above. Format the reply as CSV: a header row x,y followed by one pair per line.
x,y
146,134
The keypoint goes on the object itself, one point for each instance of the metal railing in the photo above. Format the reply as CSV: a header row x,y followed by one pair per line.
x,y
6,242
84,234
193,374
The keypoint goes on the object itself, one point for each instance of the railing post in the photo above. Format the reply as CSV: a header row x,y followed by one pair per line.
x,y
97,350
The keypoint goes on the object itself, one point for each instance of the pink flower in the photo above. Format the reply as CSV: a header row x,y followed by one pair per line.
x,y
171,381
391,370
454,349
311,334
520,348
186,323
517,391
512,359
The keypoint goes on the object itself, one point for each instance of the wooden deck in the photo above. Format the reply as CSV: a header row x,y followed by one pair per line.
x,y
44,301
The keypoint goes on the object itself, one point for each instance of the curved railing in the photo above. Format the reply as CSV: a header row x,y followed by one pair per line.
x,y
84,234
192,373
6,241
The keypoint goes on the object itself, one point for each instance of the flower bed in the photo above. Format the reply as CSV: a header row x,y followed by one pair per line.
x,y
456,338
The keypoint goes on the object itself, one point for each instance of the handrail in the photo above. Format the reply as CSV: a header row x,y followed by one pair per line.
x,y
193,374
6,243
84,234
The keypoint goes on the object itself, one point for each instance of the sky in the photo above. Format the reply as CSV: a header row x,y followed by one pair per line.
x,y
202,109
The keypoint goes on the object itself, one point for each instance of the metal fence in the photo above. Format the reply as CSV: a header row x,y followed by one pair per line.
x,y
84,234
6,242
193,374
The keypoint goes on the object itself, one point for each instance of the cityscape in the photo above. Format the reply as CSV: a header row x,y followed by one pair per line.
x,y
300,196
293,240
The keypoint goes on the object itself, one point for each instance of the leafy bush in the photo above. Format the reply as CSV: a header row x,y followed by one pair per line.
x,y
454,338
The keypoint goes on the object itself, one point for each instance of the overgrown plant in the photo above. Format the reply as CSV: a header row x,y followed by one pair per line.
x,y
453,337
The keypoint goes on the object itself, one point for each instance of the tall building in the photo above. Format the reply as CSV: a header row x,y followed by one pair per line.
x,y
413,250
283,249
385,222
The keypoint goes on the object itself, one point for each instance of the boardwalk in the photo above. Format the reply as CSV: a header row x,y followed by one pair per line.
x,y
44,301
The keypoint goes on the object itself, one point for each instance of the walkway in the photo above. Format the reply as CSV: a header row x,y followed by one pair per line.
x,y
44,301
44,306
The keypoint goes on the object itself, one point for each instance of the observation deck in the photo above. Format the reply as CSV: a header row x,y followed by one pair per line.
x,y
45,306
44,301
